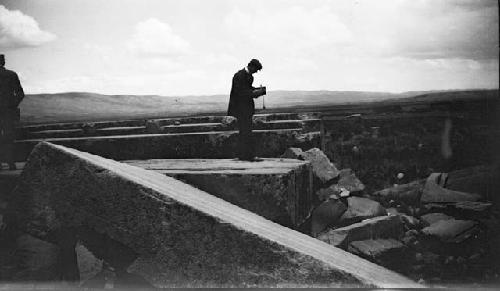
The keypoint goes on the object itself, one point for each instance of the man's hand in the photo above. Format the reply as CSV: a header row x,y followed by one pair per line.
x,y
259,91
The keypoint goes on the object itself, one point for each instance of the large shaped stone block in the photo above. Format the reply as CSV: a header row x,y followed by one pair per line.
x,y
277,189
186,236
213,145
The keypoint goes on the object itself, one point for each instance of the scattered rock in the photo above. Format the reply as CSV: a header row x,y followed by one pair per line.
x,y
293,153
360,208
382,251
326,214
472,206
392,211
348,181
322,168
374,228
433,193
407,193
451,230
432,218
153,126
410,221
327,193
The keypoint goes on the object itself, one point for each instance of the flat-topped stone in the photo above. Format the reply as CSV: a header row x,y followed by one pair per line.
x,y
277,189
182,235
269,143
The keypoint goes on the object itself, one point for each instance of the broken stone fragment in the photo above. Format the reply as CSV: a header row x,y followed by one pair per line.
x,y
348,181
451,230
153,126
293,153
326,214
432,218
360,208
322,168
407,193
381,251
39,259
433,193
410,221
472,206
374,228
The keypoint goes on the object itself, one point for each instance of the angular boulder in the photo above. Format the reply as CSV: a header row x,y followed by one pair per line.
x,y
451,230
432,218
182,235
433,193
407,193
326,214
349,181
374,228
360,208
322,168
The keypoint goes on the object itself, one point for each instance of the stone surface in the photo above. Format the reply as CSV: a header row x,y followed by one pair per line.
x,y
349,182
431,218
472,206
360,208
433,193
451,230
216,145
407,193
374,228
322,168
326,214
381,251
38,259
184,236
277,189
88,265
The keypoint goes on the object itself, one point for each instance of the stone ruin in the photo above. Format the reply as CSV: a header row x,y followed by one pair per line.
x,y
161,204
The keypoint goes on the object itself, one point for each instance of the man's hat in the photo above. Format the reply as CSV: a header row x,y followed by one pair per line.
x,y
256,64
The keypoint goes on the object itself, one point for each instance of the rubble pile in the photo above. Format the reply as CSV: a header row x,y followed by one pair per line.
x,y
435,230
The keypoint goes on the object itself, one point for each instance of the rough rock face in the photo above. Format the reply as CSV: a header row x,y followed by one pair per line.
x,y
378,227
451,230
432,218
349,181
322,168
327,213
434,193
408,193
360,208
381,251
184,236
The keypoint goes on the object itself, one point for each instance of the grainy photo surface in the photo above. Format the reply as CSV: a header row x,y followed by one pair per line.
x,y
150,144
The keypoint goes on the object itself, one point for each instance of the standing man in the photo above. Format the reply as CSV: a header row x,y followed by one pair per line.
x,y
241,106
11,95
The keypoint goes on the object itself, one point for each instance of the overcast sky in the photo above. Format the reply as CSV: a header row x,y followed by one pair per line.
x,y
195,46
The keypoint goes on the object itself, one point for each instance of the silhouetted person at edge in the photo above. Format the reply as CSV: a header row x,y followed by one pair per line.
x,y
241,106
11,95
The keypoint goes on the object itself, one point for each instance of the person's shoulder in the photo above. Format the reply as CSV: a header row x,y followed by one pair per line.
x,y
7,72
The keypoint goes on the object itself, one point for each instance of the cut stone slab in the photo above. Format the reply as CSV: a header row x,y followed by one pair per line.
x,y
184,236
214,145
277,189
451,230
432,218
381,251
323,169
360,208
433,193
373,228
407,193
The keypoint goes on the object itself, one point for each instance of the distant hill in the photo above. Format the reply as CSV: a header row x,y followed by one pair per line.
x,y
83,106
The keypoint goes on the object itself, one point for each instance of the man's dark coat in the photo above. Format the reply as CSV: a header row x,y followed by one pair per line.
x,y
241,102
11,92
